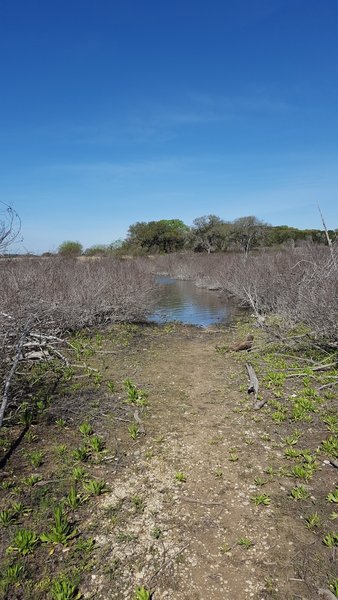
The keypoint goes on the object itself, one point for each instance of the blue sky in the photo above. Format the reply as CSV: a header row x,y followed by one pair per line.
x,y
117,111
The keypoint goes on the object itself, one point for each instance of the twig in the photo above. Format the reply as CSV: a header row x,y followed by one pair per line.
x,y
185,499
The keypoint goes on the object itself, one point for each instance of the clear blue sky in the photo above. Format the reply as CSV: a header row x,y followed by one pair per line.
x,y
117,111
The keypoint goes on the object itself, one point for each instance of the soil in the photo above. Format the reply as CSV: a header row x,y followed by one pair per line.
x,y
179,517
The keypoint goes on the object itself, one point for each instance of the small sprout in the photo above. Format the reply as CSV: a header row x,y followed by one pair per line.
x,y
18,508
334,586
96,443
6,517
36,458
330,446
261,499
331,540
225,548
80,454
64,588
141,593
245,542
333,516
62,532
73,500
299,493
14,573
179,476
60,423
86,429
312,521
111,386
78,473
137,503
260,481
61,449
233,455
95,487
156,533
134,431
333,496
218,472
31,480
292,439
24,542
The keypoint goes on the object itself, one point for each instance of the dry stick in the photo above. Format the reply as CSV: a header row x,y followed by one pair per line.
x,y
11,374
329,241
254,386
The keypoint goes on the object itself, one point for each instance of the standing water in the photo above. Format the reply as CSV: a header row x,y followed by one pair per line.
x,y
183,301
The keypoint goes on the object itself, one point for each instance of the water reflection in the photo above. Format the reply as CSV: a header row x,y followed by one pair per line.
x,y
183,301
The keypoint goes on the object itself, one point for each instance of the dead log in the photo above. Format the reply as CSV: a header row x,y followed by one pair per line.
x,y
253,387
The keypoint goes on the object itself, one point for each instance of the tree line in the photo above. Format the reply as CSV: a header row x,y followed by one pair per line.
x,y
208,234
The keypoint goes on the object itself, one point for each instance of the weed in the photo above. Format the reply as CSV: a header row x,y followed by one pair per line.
x,y
95,487
179,476
124,536
60,423
218,472
274,379
292,439
299,493
245,542
14,573
24,542
260,481
137,503
30,437
333,516
261,499
141,593
332,423
301,408
36,458
135,396
134,431
86,429
80,454
156,533
20,509
111,386
225,548
334,586
61,449
64,588
31,480
292,453
303,471
62,532
6,517
78,473
73,500
233,455
312,521
331,540
330,446
333,496
96,443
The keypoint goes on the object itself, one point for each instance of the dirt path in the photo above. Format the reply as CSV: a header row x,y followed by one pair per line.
x,y
202,537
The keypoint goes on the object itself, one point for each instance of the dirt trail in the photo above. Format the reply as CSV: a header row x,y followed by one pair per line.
x,y
202,537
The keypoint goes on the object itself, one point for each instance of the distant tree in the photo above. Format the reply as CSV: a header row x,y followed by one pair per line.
x,y
248,232
10,225
97,250
69,249
166,235
210,234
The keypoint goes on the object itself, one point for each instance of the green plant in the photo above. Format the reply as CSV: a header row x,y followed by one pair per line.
x,y
60,422
64,588
225,548
330,446
81,454
111,386
312,521
61,449
18,508
303,471
333,496
292,439
141,593
96,443
95,487
179,476
14,573
86,429
137,503
332,423
233,455
31,480
24,542
334,586
261,499
6,517
218,472
135,396
245,542
156,533
78,473
62,531
73,500
331,540
301,408
260,481
134,431
299,493
36,458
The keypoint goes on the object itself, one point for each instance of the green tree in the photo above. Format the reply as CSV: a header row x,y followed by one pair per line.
x,y
248,232
69,249
166,235
210,234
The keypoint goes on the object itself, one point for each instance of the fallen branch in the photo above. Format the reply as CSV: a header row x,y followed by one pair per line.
x,y
11,374
253,387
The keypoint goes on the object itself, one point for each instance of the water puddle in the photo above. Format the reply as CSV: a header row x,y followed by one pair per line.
x,y
183,301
